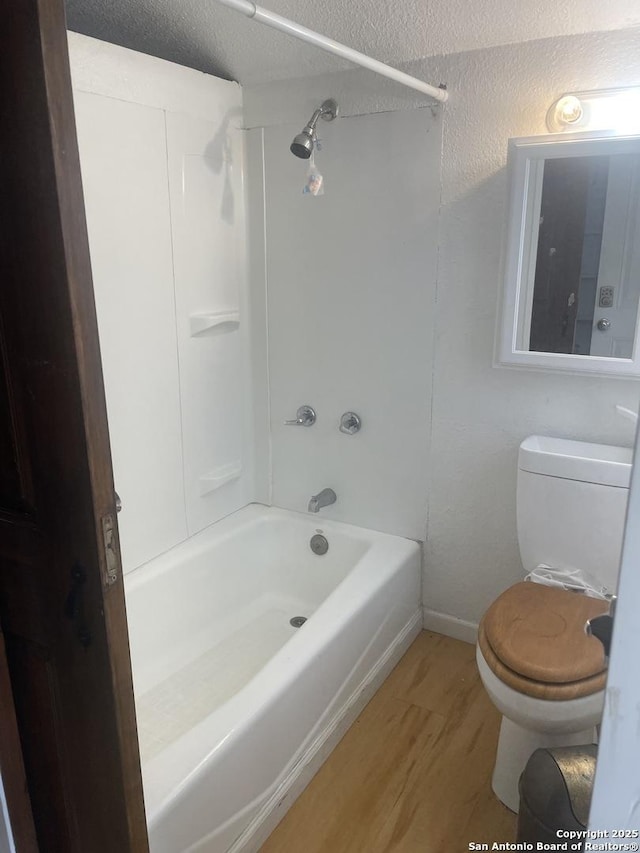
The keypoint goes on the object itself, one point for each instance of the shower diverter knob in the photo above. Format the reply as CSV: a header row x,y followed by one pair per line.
x,y
350,423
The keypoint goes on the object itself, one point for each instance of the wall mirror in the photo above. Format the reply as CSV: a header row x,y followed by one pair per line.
x,y
572,266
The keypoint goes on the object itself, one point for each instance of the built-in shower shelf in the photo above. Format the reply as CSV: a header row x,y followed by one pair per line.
x,y
214,323
219,477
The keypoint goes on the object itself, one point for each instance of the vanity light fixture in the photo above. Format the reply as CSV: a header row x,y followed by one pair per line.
x,y
616,111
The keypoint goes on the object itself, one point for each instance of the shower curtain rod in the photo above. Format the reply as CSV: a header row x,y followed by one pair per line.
x,y
251,10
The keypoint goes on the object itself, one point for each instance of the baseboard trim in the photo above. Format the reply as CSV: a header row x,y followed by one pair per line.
x,y
319,750
450,626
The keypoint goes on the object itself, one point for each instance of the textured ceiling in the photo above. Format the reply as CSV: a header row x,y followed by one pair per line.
x,y
212,38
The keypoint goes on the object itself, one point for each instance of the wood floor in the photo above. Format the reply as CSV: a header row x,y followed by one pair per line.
x,y
412,775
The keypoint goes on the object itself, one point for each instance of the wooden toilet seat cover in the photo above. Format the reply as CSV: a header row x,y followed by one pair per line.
x,y
537,633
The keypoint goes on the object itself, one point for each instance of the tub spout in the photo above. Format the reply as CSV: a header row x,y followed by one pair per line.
x,y
323,498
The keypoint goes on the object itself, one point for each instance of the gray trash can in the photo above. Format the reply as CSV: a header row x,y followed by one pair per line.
x,y
555,792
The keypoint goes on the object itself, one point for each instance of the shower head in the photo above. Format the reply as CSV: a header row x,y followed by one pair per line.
x,y
303,143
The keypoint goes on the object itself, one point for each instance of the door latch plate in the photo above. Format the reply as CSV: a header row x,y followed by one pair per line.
x,y
112,560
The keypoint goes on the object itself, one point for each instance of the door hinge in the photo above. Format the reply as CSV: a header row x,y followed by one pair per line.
x,y
112,559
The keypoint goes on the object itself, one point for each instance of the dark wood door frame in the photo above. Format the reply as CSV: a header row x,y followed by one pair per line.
x,y
62,605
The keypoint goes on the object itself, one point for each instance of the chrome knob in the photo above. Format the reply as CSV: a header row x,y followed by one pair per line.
x,y
305,416
604,324
350,423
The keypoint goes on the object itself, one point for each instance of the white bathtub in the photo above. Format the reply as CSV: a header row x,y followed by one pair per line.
x,y
236,708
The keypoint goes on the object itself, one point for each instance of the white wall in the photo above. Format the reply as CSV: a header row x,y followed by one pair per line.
x,y
350,285
480,413
162,168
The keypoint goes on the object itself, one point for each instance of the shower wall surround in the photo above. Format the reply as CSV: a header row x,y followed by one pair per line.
x,y
162,168
347,280
199,378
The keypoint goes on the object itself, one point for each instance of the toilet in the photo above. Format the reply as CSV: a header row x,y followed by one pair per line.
x,y
541,670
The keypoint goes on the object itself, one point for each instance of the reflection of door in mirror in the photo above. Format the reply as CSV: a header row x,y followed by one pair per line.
x,y
619,272
587,272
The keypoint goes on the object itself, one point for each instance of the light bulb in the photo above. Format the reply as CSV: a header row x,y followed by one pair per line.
x,y
565,111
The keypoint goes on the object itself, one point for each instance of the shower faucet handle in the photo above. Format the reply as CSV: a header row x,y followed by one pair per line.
x,y
350,423
305,416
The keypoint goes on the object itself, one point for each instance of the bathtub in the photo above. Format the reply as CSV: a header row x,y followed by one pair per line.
x,y
236,707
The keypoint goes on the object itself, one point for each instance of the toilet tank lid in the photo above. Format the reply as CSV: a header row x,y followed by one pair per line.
x,y
603,464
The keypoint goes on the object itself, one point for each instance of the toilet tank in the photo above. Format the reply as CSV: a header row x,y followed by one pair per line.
x,y
571,505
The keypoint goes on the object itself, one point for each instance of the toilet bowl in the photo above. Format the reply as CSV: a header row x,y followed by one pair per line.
x,y
538,666
542,672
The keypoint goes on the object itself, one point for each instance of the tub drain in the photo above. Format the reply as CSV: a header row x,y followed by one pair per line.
x,y
297,621
319,544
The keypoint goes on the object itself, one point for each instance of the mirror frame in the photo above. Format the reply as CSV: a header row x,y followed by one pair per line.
x,y
525,157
